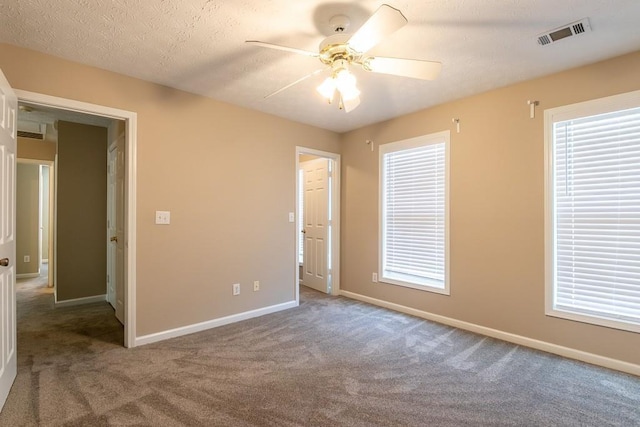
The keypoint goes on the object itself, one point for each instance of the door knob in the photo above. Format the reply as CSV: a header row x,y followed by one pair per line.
x,y
303,231
4,262
114,239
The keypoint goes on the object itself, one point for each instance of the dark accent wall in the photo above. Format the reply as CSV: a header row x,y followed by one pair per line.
x,y
81,211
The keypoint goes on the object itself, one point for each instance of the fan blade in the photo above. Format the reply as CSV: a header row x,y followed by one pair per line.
x,y
285,48
415,68
295,83
384,22
349,105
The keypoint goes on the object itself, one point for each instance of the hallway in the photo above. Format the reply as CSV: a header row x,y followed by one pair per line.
x,y
50,340
44,331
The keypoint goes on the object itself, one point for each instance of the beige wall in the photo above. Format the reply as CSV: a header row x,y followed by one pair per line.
x,y
36,149
496,208
227,174
27,218
81,211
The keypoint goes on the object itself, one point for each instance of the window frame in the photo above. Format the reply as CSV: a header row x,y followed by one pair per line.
x,y
416,142
551,116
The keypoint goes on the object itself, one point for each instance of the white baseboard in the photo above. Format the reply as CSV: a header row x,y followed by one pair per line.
x,y
570,353
27,275
209,324
80,301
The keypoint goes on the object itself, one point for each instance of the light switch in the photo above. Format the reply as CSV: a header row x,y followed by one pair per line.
x,y
163,217
292,217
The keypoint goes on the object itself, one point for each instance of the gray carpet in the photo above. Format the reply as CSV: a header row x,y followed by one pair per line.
x,y
331,361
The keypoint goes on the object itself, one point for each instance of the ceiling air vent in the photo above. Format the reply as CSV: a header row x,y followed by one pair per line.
x,y
33,130
32,135
572,29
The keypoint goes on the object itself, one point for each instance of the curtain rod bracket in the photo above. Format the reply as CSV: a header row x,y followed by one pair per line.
x,y
532,108
370,144
457,122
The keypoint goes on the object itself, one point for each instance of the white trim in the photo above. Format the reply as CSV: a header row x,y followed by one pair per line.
x,y
549,253
39,216
593,107
54,226
27,275
405,144
551,116
210,324
130,197
335,215
570,353
80,301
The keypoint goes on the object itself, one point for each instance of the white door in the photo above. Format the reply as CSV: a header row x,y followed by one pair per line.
x,y
111,225
119,217
316,225
8,366
115,218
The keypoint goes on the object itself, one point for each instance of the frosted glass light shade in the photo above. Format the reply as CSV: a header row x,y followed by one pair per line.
x,y
327,88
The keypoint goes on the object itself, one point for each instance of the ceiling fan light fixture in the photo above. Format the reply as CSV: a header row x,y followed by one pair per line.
x,y
342,81
345,80
341,51
349,93
327,89
349,105
346,84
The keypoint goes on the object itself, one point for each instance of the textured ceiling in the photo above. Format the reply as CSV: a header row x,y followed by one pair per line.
x,y
198,46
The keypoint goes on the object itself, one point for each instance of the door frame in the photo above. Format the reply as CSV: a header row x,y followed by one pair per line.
x,y
130,119
334,159
50,165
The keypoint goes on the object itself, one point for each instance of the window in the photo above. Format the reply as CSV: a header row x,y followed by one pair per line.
x,y
414,212
593,212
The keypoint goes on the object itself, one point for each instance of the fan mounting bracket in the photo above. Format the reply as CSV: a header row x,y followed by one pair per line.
x,y
339,23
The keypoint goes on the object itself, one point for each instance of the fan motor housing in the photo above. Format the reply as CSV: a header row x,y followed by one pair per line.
x,y
335,47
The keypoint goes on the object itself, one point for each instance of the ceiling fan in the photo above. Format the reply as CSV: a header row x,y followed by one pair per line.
x,y
342,50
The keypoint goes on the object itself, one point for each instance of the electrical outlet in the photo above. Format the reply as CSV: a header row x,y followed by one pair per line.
x,y
27,258
163,217
256,286
236,289
374,277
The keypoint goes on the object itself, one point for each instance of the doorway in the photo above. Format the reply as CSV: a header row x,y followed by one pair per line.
x,y
34,220
318,225
129,185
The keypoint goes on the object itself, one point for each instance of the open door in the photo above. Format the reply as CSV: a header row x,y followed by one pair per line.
x,y
8,365
316,224
115,218
111,225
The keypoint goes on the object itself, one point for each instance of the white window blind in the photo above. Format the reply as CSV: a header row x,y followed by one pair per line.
x,y
414,211
596,214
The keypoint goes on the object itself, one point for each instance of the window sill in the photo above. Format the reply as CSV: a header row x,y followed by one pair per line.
x,y
434,286
594,320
